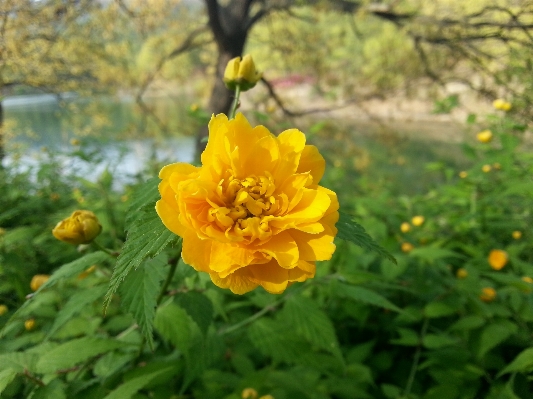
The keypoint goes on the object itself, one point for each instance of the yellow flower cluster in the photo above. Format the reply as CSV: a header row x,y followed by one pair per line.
x,y
253,214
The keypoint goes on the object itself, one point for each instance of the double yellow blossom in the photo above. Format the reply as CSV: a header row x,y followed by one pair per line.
x,y
241,73
502,105
253,214
79,228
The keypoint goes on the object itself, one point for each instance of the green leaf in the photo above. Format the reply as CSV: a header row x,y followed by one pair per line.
x,y
173,323
523,363
131,387
364,295
76,351
76,303
54,390
18,361
438,309
408,337
435,341
146,239
139,294
468,323
355,233
6,376
431,254
494,334
198,306
145,194
111,362
311,323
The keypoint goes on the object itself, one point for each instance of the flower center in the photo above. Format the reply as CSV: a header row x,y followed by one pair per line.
x,y
247,202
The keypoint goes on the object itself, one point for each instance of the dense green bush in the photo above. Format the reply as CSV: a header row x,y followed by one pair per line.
x,y
364,327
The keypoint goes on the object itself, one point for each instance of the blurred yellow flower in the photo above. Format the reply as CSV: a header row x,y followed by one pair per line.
x,y
498,259
74,142
3,310
407,247
241,73
485,136
502,105
194,107
29,324
487,294
517,234
253,214
79,228
461,273
497,165
249,393
486,168
418,220
83,275
2,231
405,227
463,174
54,196
38,280
266,397
527,279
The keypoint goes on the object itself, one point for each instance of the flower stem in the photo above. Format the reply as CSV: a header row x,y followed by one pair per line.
x,y
173,265
235,104
416,360
102,248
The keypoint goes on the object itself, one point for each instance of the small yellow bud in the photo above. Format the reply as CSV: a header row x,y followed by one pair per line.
x,y
83,275
418,220
497,165
241,73
527,279
498,259
517,234
74,142
2,231
461,273
79,228
405,227
249,393
502,105
407,247
38,280
194,107
487,294
3,310
485,136
54,196
266,397
29,324
463,174
486,168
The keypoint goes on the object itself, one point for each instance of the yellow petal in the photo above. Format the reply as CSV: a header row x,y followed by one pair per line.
x,y
196,252
258,157
291,143
270,276
238,282
312,161
314,247
283,248
170,217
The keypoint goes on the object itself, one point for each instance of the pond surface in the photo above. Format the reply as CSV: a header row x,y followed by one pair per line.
x,y
397,154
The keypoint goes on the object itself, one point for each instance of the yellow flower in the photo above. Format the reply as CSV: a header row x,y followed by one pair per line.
x,y
497,165
417,220
485,136
502,105
266,397
194,107
527,279
498,259
83,275
461,273
2,231
79,228
3,310
74,142
517,234
241,73
29,324
253,214
249,393
38,280
405,227
487,294
463,174
486,168
407,247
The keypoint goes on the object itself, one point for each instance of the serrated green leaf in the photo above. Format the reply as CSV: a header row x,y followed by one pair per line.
x,y
145,194
74,352
523,363
6,376
173,323
18,361
131,387
354,232
275,339
139,293
364,295
146,239
198,306
494,334
311,323
112,362
76,303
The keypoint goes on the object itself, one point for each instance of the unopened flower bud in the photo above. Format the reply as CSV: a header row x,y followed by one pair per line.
x,y
80,228
38,280
241,73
